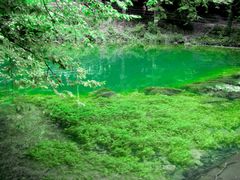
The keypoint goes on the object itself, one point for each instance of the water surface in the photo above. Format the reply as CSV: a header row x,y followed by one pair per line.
x,y
130,69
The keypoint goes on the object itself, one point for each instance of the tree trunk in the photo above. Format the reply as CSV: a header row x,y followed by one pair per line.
x,y
124,21
231,16
155,17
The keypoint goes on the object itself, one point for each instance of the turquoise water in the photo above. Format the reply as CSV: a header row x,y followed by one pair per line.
x,y
127,69
130,69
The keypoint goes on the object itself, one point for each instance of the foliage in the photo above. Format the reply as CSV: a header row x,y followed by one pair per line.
x,y
184,11
140,34
27,29
218,37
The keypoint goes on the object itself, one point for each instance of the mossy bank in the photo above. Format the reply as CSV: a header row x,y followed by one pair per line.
x,y
134,136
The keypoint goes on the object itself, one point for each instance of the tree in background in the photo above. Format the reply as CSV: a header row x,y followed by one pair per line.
x,y
187,11
183,10
28,28
234,8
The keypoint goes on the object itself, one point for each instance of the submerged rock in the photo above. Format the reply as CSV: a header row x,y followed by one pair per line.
x,y
227,87
197,155
159,90
170,168
103,92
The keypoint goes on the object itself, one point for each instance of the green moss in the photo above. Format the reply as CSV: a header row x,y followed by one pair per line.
x,y
135,133
55,153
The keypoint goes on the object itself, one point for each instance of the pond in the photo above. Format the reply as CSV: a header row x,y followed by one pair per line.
x,y
130,69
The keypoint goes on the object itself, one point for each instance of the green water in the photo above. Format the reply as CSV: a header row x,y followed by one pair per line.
x,y
127,69
130,69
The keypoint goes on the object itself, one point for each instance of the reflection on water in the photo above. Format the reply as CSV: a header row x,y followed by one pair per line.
x,y
127,69
136,68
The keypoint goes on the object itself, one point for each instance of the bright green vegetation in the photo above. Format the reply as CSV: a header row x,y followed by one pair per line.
x,y
137,135
55,153
131,136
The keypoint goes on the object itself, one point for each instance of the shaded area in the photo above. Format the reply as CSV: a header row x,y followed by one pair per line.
x,y
22,127
14,140
228,170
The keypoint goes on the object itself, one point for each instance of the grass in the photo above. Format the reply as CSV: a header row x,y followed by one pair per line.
x,y
136,135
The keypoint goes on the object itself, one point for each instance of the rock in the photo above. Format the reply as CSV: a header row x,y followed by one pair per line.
x,y
226,87
159,90
103,92
197,155
169,168
233,95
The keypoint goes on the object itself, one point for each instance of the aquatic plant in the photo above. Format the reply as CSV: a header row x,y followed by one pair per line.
x,y
142,134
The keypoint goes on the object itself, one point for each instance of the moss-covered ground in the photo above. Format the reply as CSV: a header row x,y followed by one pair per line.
x,y
134,136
